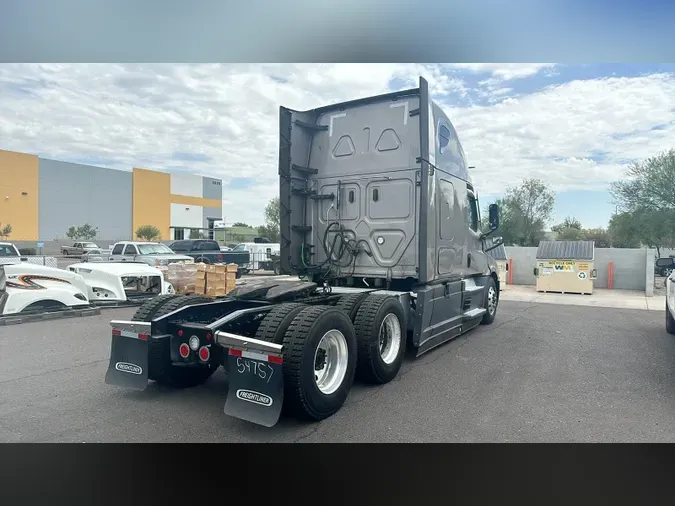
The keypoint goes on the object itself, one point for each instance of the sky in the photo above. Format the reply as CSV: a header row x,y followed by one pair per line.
x,y
576,127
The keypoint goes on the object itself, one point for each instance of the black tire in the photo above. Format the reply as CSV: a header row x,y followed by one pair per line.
x,y
670,323
274,326
371,366
160,367
179,302
490,305
238,274
350,303
147,311
302,397
277,268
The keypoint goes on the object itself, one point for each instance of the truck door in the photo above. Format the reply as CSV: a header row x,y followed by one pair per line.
x,y
476,259
130,252
116,253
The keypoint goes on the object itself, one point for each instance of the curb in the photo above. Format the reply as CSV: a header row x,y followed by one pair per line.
x,y
57,315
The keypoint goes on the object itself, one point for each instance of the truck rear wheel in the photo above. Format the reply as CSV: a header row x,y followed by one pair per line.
x,y
275,324
319,362
350,303
160,366
381,336
147,310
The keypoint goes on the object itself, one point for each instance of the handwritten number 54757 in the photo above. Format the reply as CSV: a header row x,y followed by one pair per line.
x,y
261,369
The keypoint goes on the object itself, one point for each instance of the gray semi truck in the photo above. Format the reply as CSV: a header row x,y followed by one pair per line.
x,y
380,221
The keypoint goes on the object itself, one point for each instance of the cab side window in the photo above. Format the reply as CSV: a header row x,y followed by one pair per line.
x,y
472,211
117,250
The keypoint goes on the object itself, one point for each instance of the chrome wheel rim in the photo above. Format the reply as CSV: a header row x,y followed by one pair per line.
x,y
330,362
492,301
390,338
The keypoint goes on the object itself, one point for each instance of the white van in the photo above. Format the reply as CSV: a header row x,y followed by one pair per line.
x,y
261,254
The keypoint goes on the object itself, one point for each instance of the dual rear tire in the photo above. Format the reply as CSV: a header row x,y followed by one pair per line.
x,y
326,347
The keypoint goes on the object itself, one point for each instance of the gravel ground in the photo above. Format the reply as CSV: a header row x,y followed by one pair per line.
x,y
539,373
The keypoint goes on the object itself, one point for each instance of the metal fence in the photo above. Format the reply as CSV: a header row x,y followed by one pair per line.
x,y
261,263
47,261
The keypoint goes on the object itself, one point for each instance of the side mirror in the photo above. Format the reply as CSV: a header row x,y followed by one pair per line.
x,y
493,211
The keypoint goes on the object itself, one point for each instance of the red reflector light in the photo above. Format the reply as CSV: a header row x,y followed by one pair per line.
x,y
235,353
208,336
180,333
143,337
184,350
116,332
204,353
274,359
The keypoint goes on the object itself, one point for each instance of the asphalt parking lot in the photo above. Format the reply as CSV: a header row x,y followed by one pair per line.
x,y
540,373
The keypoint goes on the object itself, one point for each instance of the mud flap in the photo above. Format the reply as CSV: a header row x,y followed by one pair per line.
x,y
256,385
128,366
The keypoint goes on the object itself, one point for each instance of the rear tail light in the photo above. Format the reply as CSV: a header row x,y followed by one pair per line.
x,y
204,354
220,258
208,336
184,350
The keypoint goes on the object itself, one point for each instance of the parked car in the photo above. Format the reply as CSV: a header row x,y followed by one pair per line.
x,y
151,253
664,266
670,304
96,255
78,248
209,252
9,251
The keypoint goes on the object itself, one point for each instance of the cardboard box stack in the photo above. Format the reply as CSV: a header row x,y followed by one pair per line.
x,y
182,276
215,280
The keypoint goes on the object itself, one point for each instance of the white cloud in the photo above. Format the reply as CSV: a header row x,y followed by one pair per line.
x,y
139,115
556,133
504,71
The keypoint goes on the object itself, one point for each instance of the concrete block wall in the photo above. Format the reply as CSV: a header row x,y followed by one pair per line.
x,y
633,268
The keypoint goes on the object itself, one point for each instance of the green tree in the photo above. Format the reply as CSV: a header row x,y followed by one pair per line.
x,y
524,212
6,231
625,230
649,184
241,224
569,222
271,233
647,201
601,237
272,216
148,233
86,232
196,234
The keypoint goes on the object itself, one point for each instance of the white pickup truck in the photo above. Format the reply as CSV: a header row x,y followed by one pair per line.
x,y
151,253
78,248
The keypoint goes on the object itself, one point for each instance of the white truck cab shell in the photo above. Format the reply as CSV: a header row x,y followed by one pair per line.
x,y
26,287
121,282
